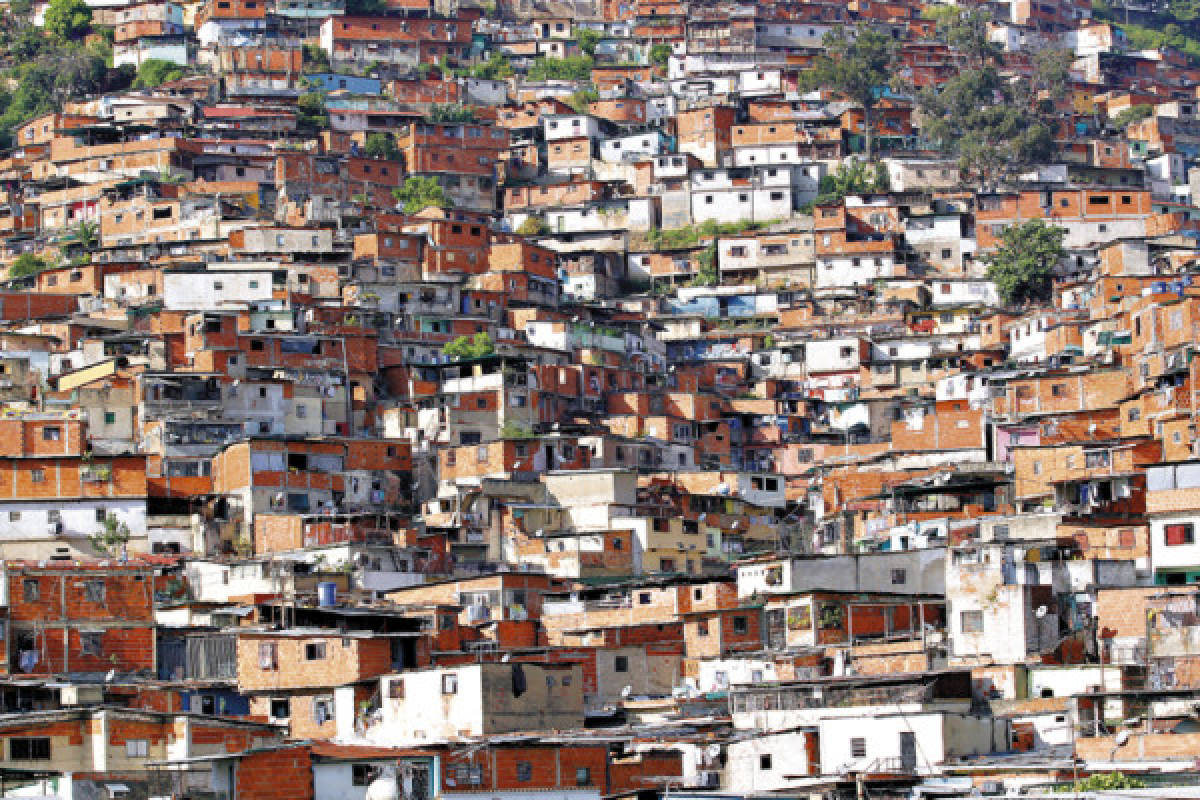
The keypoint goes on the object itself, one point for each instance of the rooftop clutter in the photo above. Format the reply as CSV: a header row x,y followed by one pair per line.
x,y
417,400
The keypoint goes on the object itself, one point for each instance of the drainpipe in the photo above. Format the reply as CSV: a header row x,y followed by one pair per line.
x,y
62,610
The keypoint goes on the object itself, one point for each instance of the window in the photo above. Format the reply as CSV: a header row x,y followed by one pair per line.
x,y
468,775
91,643
110,418
524,771
858,747
360,774
971,621
32,748
280,708
899,577
37,475
450,683
764,761
51,433
644,598
137,748
1183,533
621,664
314,651
14,516
268,656
31,590
583,776
93,591
740,625
702,627
322,709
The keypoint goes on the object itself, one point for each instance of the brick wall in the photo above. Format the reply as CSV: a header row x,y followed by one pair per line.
x,y
344,660
1140,747
1124,610
276,775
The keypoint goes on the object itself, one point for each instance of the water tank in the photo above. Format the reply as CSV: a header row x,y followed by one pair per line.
x,y
384,787
326,594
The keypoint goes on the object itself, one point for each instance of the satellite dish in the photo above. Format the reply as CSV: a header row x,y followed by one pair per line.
x,y
1122,738
1041,612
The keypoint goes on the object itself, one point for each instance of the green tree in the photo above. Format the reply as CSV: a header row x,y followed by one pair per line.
x,y
496,68
707,274
941,14
451,112
1127,116
155,72
966,30
466,347
1111,781
985,121
588,39
533,226
660,54
852,177
102,46
26,264
1022,267
1050,82
419,193
311,113
315,59
78,72
856,63
381,145
572,68
114,535
86,234
68,19
582,98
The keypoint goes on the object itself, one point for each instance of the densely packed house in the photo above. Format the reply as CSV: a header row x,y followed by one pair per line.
x,y
430,400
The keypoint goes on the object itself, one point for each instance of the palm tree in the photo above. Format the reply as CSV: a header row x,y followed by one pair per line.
x,y
86,234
